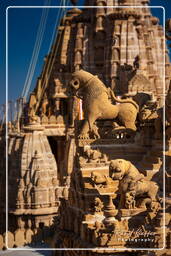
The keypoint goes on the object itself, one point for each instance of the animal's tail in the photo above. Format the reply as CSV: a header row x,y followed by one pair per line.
x,y
122,100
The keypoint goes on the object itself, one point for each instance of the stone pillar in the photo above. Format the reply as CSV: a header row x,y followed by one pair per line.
x,y
123,55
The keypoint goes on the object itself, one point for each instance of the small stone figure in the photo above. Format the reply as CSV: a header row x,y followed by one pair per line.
x,y
44,106
33,118
130,200
130,179
137,62
57,88
41,182
98,205
99,180
92,156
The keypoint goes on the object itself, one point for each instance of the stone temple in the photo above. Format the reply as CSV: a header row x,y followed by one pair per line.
x,y
89,162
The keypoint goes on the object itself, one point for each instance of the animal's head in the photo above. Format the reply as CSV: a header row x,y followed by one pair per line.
x,y
93,175
79,79
155,207
118,168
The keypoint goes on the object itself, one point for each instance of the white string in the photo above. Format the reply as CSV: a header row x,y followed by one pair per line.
x,y
36,51
51,67
55,26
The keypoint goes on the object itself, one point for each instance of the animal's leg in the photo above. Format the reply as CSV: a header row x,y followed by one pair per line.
x,y
130,125
95,131
84,130
133,204
87,126
152,193
91,120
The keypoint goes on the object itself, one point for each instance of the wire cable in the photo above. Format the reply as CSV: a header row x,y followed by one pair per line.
x,y
54,56
35,55
36,50
36,58
55,26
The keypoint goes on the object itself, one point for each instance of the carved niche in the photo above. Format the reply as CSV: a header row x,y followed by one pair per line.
x,y
139,83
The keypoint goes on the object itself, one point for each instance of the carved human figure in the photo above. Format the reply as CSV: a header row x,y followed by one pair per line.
x,y
41,182
96,103
32,109
137,62
98,205
45,102
57,87
130,200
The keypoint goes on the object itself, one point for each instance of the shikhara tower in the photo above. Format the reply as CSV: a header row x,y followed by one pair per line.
x,y
124,46
51,189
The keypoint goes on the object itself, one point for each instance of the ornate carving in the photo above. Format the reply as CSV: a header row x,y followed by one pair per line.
x,y
131,180
148,111
32,109
45,103
130,200
110,212
98,205
137,62
139,83
96,103
92,156
99,180
159,119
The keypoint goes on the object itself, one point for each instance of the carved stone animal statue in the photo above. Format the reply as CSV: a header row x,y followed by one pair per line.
x,y
99,180
131,180
97,104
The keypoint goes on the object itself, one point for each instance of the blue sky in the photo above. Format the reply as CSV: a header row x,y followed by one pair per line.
x,y
23,26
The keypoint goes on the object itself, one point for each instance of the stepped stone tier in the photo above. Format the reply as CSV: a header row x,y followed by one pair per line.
x,y
87,161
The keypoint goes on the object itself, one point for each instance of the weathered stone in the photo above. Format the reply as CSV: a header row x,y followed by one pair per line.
x,y
19,238
62,175
1,242
9,239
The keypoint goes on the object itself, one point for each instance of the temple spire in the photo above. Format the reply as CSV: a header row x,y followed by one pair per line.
x,y
117,2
